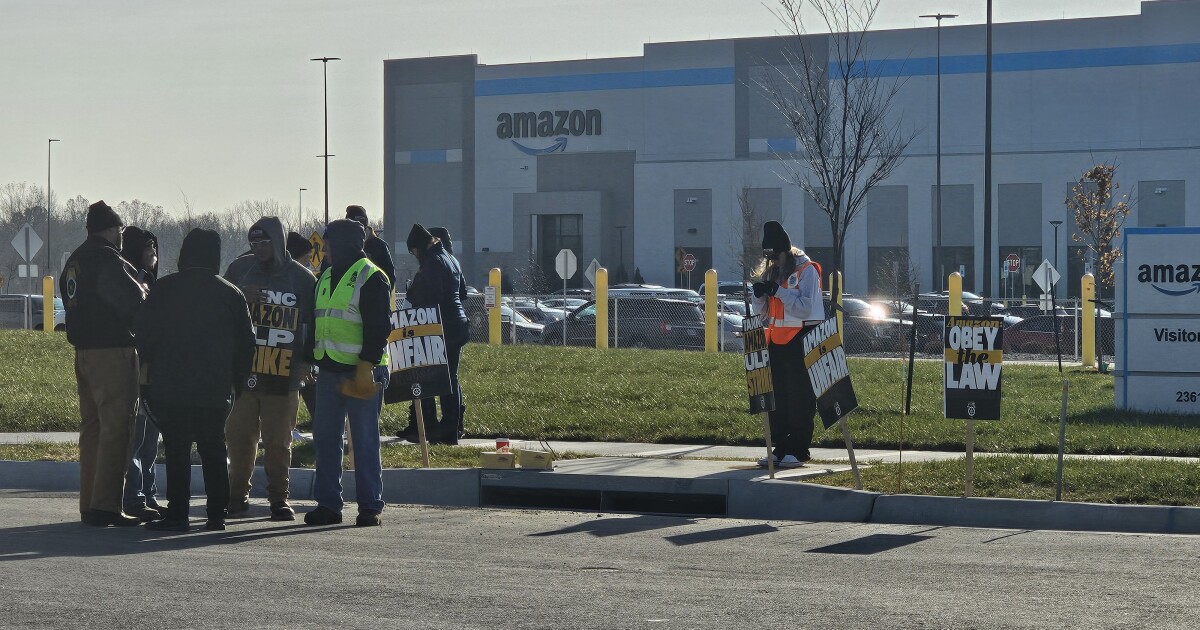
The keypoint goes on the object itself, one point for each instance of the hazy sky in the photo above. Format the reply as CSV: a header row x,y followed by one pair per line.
x,y
216,99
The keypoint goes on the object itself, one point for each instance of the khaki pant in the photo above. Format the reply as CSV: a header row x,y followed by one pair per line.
x,y
108,401
273,417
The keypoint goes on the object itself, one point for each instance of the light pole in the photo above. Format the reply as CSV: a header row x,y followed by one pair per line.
x,y
1055,224
987,161
941,269
325,80
621,238
301,207
49,143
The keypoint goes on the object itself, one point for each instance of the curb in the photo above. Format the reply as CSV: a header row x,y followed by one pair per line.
x,y
730,498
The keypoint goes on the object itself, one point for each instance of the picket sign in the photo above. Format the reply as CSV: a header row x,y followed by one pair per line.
x,y
973,360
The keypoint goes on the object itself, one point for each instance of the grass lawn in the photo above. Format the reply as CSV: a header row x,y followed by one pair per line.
x,y
1023,477
530,392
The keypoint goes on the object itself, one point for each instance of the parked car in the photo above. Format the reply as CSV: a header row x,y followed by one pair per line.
x,y
652,291
1035,335
868,328
13,308
938,303
641,323
536,310
729,288
513,325
929,326
567,304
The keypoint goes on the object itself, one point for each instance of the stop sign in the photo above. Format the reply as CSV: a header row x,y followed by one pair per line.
x,y
689,262
1014,263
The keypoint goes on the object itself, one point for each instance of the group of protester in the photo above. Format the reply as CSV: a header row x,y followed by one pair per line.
x,y
220,362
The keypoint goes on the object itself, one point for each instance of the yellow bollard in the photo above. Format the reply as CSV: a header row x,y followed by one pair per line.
x,y
955,304
710,311
1088,316
836,298
602,308
495,332
48,303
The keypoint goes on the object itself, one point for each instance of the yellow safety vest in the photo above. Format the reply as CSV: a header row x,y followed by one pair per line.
x,y
339,333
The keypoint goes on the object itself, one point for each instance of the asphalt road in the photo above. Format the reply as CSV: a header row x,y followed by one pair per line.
x,y
477,568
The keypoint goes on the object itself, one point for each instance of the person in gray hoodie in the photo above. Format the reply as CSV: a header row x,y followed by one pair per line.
x,y
279,293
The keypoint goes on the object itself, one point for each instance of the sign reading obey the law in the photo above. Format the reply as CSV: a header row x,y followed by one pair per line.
x,y
974,353
417,355
825,361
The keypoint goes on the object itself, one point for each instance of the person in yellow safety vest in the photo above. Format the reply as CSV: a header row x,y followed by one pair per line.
x,y
788,290
349,346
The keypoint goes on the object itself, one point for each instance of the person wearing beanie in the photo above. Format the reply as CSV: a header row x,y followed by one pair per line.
x,y
352,324
102,295
279,292
443,235
140,248
788,291
439,282
376,248
299,248
194,334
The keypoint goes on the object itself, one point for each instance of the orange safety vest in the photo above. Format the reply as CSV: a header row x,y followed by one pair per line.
x,y
780,328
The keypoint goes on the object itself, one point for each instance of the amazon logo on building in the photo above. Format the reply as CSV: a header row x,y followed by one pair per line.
x,y
548,124
1184,274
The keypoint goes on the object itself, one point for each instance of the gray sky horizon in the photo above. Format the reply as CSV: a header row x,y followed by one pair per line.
x,y
218,102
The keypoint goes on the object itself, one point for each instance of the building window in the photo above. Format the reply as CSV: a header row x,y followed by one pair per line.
x,y
557,232
888,272
961,259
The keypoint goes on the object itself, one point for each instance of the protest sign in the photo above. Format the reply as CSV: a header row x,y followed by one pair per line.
x,y
973,358
825,361
277,334
758,365
417,355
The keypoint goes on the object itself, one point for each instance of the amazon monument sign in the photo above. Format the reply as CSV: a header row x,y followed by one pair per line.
x,y
1158,333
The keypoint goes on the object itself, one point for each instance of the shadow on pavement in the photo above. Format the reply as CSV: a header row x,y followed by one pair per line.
x,y
617,526
867,545
715,535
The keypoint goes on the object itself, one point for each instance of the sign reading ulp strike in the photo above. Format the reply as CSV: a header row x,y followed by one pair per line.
x,y
417,355
825,361
974,357
758,366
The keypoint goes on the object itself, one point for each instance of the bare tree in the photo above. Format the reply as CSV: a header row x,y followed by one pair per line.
x,y
838,105
1098,221
745,235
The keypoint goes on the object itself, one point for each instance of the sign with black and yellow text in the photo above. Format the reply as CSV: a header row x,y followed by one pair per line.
x,y
276,320
974,354
417,355
825,361
758,366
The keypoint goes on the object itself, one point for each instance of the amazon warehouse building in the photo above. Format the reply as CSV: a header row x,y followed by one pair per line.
x,y
630,160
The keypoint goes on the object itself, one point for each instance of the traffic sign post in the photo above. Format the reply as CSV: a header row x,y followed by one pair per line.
x,y
590,272
28,244
566,265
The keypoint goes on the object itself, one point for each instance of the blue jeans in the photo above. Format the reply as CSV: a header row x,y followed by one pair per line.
x,y
139,476
333,410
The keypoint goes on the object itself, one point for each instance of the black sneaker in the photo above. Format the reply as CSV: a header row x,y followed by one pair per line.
x,y
322,516
215,525
238,508
169,525
368,518
101,518
281,511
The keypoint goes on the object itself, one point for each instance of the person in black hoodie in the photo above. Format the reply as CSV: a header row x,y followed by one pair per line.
x,y
195,333
102,297
140,248
440,282
375,248
353,303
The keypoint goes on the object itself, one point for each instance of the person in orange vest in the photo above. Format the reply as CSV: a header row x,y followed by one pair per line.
x,y
788,290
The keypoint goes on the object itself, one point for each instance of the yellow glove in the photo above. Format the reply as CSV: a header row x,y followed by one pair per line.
x,y
363,384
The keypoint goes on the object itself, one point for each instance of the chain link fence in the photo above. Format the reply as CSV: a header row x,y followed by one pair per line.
x,y
871,326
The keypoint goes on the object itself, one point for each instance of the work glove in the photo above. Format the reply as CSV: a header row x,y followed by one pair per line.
x,y
764,288
362,385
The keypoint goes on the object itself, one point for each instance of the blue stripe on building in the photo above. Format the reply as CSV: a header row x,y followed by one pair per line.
x,y
690,77
1040,60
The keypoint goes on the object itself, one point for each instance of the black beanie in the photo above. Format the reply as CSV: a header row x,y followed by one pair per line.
x,y
357,213
443,235
201,250
100,217
344,240
775,238
298,246
419,237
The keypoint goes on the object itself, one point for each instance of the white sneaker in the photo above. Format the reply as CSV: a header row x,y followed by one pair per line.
x,y
790,461
762,461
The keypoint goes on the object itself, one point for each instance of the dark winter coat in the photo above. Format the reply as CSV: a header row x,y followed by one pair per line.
x,y
377,252
194,331
440,282
101,296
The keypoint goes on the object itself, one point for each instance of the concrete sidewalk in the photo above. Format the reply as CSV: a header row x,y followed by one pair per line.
x,y
677,479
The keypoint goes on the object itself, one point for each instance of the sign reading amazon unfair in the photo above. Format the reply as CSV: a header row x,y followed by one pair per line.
x,y
825,361
974,359
417,355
